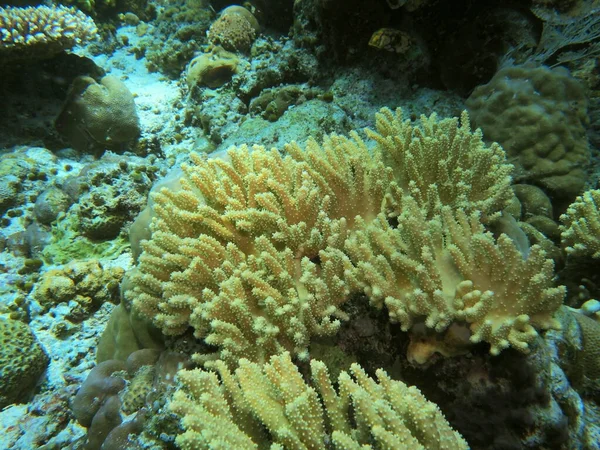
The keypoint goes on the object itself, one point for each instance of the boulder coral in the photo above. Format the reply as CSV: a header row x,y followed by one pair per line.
x,y
22,361
98,115
235,29
538,115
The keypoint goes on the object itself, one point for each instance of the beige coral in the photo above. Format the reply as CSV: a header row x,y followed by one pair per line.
x,y
39,31
86,282
580,225
235,29
448,269
258,252
443,162
249,251
258,405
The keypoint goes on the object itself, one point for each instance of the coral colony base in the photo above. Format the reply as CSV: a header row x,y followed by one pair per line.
x,y
299,224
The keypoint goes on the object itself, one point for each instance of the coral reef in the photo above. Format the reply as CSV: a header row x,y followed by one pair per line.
x,y
174,37
301,269
105,196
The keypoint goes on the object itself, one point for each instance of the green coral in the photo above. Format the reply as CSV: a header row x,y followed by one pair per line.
x,y
67,244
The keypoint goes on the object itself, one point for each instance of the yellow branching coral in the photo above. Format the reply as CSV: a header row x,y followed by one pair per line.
x,y
259,252
272,404
581,225
449,269
249,251
443,163
42,30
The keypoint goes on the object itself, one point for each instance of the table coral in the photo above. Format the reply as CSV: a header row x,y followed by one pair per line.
x,y
41,31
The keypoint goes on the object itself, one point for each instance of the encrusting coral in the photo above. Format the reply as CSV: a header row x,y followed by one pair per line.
x,y
40,31
258,405
258,252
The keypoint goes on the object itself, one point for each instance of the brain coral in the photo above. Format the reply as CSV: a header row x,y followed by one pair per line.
x,y
259,252
22,361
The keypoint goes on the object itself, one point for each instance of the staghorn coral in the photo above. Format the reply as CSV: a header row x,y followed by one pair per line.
x,y
41,31
258,252
580,226
235,412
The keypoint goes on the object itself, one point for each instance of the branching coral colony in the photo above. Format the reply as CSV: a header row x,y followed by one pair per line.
x,y
258,252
